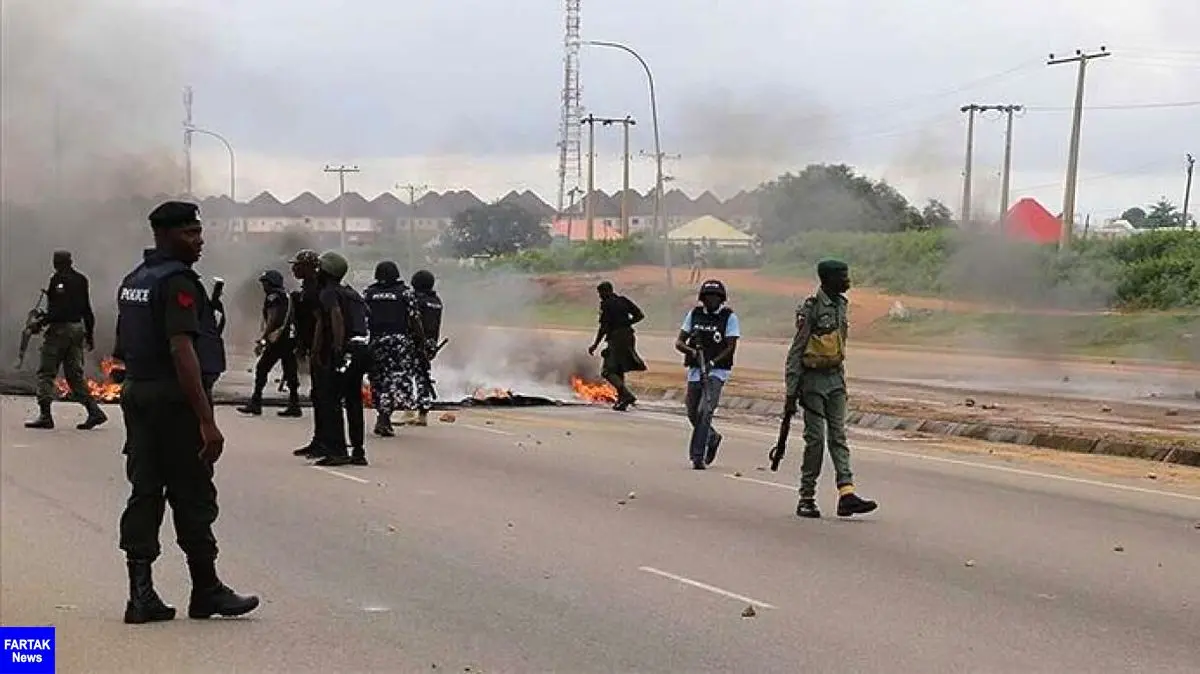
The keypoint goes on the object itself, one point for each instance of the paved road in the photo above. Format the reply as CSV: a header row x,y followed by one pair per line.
x,y
499,543
1174,384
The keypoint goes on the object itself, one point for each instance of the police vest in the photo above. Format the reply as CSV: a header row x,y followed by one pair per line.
x,y
303,320
354,311
141,341
429,306
708,334
389,307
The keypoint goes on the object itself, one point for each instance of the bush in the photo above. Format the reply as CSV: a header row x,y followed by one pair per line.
x,y
588,256
1151,270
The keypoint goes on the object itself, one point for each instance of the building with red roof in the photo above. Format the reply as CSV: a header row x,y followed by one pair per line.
x,y
1028,220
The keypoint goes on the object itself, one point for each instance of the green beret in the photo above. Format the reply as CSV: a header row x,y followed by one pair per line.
x,y
831,266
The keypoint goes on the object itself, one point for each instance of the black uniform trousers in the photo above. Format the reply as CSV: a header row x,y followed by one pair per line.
x,y
337,393
283,352
163,465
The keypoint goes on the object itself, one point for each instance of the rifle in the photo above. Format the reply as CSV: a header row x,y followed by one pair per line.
x,y
34,322
437,349
776,453
217,305
704,412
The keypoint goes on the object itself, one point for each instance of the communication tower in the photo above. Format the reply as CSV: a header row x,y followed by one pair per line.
x,y
570,152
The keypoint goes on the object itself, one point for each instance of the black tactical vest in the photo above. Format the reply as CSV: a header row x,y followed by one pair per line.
x,y
304,307
354,311
141,343
389,307
287,331
708,334
429,307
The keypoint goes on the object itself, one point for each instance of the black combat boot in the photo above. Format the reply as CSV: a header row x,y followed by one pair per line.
x,y
383,426
807,507
312,449
358,457
95,417
144,605
422,418
254,406
211,597
293,406
852,504
44,419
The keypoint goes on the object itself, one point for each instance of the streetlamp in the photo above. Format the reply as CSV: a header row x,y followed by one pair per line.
x,y
232,163
658,156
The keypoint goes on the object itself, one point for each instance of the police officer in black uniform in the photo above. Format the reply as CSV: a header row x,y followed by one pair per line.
x,y
394,338
304,269
340,358
276,345
429,309
169,339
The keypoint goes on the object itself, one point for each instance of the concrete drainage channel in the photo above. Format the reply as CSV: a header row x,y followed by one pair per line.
x,y
1084,443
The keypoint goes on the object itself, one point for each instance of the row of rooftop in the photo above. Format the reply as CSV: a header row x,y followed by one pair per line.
x,y
388,207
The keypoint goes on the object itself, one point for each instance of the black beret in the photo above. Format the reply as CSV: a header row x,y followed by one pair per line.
x,y
174,214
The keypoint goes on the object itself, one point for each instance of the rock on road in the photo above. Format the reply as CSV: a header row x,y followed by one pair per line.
x,y
579,540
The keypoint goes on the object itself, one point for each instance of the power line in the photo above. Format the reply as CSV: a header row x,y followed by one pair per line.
x,y
1120,106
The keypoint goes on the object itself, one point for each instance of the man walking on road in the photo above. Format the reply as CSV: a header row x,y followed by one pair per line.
x,y
708,339
618,315
276,345
69,329
169,339
815,377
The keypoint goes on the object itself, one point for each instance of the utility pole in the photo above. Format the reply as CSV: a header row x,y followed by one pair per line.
x,y
965,214
341,171
627,122
187,141
1068,215
1187,190
572,211
589,198
412,221
1006,177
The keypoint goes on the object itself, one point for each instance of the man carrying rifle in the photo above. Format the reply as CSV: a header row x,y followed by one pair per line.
x,y
69,329
816,381
708,339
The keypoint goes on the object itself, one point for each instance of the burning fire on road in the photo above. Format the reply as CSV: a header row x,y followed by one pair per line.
x,y
588,391
104,391
593,391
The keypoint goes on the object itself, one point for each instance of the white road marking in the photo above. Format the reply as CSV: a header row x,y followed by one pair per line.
x,y
20,446
705,586
767,483
485,429
342,475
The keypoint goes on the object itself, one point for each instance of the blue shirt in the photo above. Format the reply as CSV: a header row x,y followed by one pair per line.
x,y
732,329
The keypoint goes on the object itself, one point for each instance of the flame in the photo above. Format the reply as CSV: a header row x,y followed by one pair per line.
x,y
366,396
106,391
593,391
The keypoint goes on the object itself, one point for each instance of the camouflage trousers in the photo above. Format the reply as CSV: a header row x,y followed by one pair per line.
x,y
391,374
62,347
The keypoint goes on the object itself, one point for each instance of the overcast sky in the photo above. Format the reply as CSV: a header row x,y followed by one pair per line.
x,y
465,93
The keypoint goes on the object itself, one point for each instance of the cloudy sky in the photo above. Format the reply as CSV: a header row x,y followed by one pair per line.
x,y
465,93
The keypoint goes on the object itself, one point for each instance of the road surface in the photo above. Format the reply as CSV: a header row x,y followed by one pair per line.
x,y
579,540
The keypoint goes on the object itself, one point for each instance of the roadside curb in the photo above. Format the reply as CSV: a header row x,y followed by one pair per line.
x,y
864,418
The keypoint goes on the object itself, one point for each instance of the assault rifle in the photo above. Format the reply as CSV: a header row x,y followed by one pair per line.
x,y
35,320
777,452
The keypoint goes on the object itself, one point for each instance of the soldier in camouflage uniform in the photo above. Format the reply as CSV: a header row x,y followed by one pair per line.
x,y
816,381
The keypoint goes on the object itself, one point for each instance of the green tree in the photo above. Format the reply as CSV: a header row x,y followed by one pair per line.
x,y
936,215
493,230
1162,214
1135,216
831,198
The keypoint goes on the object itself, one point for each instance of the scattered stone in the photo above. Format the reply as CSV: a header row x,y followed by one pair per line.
x,y
537,442
447,418
737,473
1105,408
760,468
990,406
510,525
568,434
1172,412
1118,548
66,607
1197,527
1154,394
969,563
1112,362
622,502
392,528
1066,378
520,445
489,422
632,495
969,402
749,612
1151,476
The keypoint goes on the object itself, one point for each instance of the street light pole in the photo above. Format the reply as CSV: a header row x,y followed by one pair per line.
x,y
658,156
191,128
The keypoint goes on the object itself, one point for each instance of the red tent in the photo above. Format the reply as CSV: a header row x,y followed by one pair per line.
x,y
1028,220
